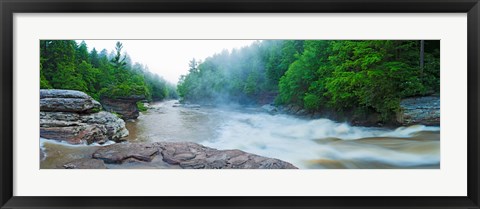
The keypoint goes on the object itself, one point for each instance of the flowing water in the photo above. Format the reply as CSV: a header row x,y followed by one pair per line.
x,y
306,143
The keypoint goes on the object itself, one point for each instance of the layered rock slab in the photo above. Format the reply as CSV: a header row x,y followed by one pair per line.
x,y
74,117
57,100
122,152
126,106
187,155
420,110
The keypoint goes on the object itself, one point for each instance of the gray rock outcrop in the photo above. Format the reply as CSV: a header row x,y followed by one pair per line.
x,y
56,100
419,110
187,155
126,107
74,117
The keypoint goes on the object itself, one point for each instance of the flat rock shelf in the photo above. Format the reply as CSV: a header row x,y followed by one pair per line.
x,y
179,155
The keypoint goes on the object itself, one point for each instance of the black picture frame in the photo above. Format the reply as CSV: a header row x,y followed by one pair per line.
x,y
9,7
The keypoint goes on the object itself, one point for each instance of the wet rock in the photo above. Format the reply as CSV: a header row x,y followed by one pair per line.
x,y
270,108
80,129
294,109
192,155
302,112
73,116
75,134
126,107
119,153
187,155
55,100
62,93
85,164
114,126
419,110
53,117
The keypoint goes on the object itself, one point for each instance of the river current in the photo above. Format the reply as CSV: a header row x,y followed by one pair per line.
x,y
306,143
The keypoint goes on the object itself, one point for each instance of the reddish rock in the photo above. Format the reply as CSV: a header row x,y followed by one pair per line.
x,y
126,107
85,164
121,152
74,134
188,155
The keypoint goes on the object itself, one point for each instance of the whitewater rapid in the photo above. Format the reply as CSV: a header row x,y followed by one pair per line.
x,y
308,143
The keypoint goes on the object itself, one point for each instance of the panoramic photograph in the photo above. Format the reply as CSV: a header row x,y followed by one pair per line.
x,y
239,104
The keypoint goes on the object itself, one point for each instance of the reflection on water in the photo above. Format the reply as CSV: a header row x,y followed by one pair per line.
x,y
305,143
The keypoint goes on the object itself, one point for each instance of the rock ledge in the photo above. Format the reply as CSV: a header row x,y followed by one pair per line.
x,y
420,110
187,155
74,117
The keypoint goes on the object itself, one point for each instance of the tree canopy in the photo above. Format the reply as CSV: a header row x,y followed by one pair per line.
x,y
340,75
64,64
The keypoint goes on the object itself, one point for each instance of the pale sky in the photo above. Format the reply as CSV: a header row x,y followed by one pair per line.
x,y
168,58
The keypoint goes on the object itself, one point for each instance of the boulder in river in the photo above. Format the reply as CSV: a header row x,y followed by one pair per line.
x,y
75,118
187,155
125,106
419,110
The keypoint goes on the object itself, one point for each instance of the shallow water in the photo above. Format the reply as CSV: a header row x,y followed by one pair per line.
x,y
319,143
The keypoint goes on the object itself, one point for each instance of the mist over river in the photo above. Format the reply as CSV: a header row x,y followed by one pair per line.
x,y
306,143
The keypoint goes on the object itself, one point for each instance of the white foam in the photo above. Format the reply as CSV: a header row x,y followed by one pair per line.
x,y
63,143
410,130
294,140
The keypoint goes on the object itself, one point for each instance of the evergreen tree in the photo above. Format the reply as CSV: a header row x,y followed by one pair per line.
x,y
66,65
362,76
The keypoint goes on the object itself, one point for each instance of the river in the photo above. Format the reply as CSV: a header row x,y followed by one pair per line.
x,y
306,143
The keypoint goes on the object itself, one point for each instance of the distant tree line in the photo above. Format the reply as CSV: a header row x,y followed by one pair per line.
x,y
367,76
64,64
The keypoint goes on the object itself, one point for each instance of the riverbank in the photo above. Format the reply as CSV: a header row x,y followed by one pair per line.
x,y
412,111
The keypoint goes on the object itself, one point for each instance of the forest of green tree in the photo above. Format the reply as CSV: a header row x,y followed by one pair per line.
x,y
65,64
370,76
